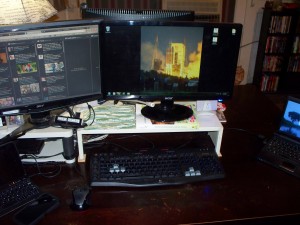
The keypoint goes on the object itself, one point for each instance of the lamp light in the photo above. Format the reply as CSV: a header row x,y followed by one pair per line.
x,y
25,11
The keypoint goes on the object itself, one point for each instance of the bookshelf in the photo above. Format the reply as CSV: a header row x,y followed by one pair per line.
x,y
277,68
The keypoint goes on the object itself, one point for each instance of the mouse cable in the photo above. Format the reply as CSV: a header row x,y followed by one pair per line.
x,y
258,136
50,174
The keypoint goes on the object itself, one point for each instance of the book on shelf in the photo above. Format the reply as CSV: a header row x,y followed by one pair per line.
x,y
272,63
269,83
296,45
294,64
280,24
275,44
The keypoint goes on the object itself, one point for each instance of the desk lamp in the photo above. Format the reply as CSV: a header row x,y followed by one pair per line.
x,y
25,11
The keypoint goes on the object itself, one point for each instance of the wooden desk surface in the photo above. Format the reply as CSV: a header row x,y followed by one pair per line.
x,y
251,189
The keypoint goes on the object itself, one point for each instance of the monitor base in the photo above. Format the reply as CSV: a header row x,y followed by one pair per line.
x,y
167,111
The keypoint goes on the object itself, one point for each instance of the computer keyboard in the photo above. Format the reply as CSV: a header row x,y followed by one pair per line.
x,y
155,167
17,195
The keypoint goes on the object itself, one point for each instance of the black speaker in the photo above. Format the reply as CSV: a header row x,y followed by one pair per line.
x,y
68,146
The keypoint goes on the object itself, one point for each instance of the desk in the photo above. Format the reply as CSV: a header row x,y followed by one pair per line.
x,y
251,189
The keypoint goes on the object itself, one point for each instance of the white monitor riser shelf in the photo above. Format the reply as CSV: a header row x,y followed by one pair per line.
x,y
55,145
208,122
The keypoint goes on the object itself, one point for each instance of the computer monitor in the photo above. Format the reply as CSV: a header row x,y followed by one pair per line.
x,y
46,66
137,14
169,61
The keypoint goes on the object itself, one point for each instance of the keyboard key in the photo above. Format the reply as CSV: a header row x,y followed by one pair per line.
x,y
16,195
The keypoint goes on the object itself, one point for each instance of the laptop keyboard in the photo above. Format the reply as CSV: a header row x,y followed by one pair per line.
x,y
17,195
284,148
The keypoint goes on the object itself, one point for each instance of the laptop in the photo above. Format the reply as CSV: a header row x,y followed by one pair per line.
x,y
16,189
282,150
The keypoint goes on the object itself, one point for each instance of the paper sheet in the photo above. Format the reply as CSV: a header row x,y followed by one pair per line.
x,y
25,11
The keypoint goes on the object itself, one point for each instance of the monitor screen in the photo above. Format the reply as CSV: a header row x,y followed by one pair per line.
x,y
160,60
290,121
46,66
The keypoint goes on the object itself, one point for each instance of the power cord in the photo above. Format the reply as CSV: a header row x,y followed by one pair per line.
x,y
50,174
91,110
258,136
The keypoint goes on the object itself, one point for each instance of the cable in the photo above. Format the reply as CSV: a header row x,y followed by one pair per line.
x,y
242,46
97,138
259,136
110,142
50,174
71,112
187,142
138,136
94,114
150,104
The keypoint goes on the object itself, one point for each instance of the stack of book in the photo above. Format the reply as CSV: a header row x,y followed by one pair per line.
x,y
269,83
280,24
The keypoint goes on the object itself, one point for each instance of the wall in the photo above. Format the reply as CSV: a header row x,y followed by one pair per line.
x,y
249,13
63,4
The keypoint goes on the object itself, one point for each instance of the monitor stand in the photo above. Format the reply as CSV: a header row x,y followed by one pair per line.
x,y
35,121
167,111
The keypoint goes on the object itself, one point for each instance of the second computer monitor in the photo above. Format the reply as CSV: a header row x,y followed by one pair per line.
x,y
169,61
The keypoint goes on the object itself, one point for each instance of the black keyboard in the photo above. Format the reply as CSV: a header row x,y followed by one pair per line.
x,y
284,148
154,167
16,195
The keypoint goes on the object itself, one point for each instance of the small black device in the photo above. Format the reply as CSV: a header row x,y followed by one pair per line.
x,y
30,146
65,121
81,198
35,211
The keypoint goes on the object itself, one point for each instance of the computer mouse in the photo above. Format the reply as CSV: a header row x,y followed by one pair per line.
x,y
81,198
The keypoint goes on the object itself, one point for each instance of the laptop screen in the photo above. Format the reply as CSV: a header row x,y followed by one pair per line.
x,y
11,168
290,123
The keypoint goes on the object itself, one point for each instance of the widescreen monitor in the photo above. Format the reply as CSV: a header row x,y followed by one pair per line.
x,y
46,66
169,61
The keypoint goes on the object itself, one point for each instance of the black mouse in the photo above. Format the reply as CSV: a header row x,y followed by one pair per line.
x,y
81,198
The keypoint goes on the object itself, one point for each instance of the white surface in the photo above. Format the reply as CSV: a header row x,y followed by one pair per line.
x,y
207,105
50,132
50,148
248,13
